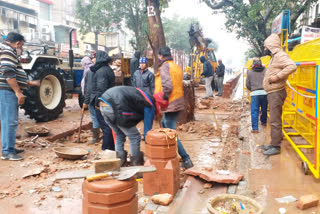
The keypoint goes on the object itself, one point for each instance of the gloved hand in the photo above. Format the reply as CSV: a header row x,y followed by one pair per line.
x,y
165,96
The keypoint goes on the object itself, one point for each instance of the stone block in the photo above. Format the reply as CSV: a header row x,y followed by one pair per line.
x,y
165,180
162,199
107,165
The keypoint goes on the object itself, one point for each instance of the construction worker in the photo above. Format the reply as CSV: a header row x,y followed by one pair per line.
x,y
169,80
274,83
220,75
99,79
208,74
254,83
87,89
143,78
134,64
123,107
13,80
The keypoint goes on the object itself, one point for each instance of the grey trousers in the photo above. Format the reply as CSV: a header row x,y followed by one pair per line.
x,y
220,85
276,101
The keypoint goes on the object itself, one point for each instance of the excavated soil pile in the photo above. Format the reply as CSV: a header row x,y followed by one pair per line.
x,y
200,127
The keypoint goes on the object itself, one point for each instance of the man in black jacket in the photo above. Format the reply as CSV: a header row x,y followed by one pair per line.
x,y
134,64
98,80
220,76
123,107
208,74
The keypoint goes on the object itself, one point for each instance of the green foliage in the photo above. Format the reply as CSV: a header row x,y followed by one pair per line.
x,y
252,19
250,53
98,15
176,32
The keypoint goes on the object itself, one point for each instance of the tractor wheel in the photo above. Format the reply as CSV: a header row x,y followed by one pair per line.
x,y
46,102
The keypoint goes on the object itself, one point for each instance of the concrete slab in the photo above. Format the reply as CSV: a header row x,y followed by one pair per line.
x,y
193,191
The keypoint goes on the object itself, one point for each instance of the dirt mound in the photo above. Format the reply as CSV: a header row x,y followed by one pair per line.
x,y
199,127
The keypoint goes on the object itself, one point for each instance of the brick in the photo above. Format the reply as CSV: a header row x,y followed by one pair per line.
x,y
107,165
307,201
162,199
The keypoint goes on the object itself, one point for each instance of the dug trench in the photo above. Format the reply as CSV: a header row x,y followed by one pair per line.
x,y
28,186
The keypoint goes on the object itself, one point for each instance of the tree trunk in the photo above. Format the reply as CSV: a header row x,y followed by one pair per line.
x,y
155,30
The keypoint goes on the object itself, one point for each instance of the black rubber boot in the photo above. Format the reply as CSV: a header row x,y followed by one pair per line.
x,y
123,157
138,160
186,164
95,135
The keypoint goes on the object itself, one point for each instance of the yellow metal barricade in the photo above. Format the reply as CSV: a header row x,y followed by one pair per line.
x,y
301,108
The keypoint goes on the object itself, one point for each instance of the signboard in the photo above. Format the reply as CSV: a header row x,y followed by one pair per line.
x,y
309,33
64,48
74,38
282,21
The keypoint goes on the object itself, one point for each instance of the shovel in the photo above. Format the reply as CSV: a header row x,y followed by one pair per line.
x,y
121,176
82,113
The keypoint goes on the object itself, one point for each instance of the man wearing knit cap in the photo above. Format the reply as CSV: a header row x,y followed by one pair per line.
x,y
143,78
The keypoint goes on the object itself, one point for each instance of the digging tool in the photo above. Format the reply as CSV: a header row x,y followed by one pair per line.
x,y
121,176
82,113
84,173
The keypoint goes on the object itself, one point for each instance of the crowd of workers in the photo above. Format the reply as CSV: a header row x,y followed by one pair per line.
x,y
121,108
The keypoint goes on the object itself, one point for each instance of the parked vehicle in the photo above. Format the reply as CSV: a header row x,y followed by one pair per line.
x,y
46,102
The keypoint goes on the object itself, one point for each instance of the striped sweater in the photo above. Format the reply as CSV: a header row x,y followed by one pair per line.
x,y
10,67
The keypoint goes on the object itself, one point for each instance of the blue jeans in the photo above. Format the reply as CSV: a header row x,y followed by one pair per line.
x,y
121,132
220,85
169,120
9,121
149,113
257,102
107,138
93,115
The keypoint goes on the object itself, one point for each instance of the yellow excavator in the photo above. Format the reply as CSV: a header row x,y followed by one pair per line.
x,y
200,47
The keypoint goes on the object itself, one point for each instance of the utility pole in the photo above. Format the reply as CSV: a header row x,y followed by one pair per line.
x,y
156,34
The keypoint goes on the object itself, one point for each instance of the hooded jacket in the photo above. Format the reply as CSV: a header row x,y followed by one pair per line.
x,y
128,104
86,64
100,78
255,78
280,66
134,63
207,67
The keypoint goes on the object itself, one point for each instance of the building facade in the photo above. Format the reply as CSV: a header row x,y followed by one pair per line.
x,y
50,21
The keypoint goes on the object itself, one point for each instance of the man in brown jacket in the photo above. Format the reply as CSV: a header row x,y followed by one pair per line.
x,y
274,83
